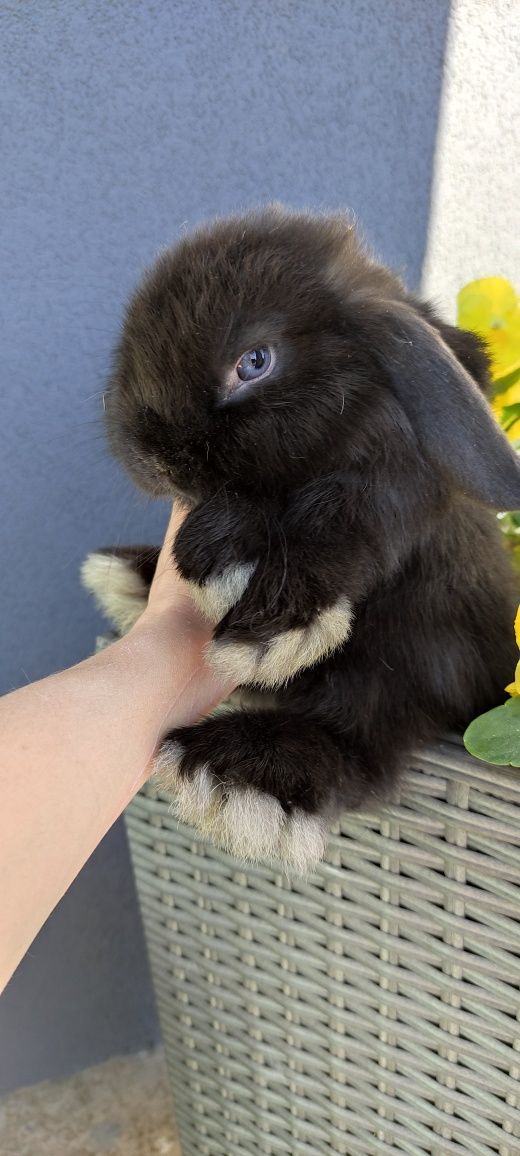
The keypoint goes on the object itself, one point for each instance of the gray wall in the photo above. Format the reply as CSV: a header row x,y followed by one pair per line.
x,y
124,122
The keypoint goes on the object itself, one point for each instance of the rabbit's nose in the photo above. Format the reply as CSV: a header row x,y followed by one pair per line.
x,y
162,468
161,477
169,485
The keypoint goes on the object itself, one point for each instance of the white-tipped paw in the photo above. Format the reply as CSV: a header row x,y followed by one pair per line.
x,y
275,662
118,589
217,595
245,822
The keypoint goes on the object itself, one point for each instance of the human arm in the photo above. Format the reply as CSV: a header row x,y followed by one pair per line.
x,y
77,746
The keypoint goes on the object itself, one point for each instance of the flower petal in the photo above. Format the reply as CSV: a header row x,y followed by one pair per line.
x,y
486,302
490,307
517,635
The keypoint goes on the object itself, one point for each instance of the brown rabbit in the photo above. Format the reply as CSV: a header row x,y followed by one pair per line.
x,y
341,464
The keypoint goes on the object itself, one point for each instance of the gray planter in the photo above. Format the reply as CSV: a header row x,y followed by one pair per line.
x,y
372,1008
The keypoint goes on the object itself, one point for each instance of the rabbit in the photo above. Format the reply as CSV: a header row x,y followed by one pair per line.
x,y
330,437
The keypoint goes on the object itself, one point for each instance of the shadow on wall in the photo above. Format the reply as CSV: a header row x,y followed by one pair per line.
x,y
125,124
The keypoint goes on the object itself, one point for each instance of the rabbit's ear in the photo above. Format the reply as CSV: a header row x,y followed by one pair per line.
x,y
451,418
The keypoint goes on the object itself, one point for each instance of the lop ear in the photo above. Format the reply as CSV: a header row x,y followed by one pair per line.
x,y
451,418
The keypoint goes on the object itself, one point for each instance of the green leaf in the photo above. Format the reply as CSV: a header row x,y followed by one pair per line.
x,y
508,415
500,384
495,736
510,523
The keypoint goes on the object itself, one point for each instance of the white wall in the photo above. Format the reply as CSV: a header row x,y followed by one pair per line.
x,y
474,227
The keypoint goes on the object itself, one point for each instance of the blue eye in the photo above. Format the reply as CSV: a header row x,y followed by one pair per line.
x,y
251,367
254,364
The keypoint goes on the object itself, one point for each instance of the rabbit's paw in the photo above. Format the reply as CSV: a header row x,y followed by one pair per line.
x,y
271,652
216,552
218,593
264,785
119,577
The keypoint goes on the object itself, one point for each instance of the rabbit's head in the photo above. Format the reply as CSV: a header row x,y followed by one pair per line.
x,y
265,350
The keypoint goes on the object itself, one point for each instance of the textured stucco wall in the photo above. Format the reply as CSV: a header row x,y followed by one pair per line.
x,y
474,228
122,123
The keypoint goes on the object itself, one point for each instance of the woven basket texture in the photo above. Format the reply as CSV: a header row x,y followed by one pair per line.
x,y
371,1008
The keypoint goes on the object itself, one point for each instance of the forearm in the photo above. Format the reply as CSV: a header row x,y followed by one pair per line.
x,y
75,748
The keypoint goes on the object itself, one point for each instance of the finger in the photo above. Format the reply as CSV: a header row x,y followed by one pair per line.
x,y
166,561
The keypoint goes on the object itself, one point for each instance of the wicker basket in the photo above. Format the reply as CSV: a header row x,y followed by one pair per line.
x,y
372,1008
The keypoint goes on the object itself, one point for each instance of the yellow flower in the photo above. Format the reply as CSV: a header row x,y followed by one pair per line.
x,y
514,687
491,308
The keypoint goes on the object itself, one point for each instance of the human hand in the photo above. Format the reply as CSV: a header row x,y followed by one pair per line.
x,y
175,634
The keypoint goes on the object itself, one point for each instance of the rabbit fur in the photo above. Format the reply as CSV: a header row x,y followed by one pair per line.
x,y
341,532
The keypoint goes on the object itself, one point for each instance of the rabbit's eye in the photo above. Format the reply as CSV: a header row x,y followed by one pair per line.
x,y
253,366
255,363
